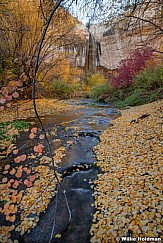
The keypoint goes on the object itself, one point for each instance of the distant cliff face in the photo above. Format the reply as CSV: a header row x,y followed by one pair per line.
x,y
107,45
116,44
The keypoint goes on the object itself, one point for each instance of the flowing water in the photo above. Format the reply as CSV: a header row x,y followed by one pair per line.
x,y
78,131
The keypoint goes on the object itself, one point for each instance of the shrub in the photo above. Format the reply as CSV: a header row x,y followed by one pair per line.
x,y
156,94
122,94
63,90
150,78
130,67
95,79
137,98
100,92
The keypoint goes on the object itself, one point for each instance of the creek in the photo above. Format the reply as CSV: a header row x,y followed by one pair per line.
x,y
78,131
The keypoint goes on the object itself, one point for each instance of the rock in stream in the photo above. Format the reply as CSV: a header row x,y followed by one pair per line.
x,y
79,196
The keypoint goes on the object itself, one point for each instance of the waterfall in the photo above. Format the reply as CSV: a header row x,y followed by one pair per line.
x,y
93,52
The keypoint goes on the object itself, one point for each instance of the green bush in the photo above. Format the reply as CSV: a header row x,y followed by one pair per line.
x,y
100,92
150,78
156,94
137,98
63,90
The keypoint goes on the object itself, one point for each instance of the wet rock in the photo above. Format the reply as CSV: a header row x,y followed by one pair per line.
x,y
89,133
80,153
79,196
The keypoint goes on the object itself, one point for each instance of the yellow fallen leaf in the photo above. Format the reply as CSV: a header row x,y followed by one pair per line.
x,y
58,236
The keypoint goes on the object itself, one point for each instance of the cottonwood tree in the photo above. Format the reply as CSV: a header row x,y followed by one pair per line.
x,y
22,23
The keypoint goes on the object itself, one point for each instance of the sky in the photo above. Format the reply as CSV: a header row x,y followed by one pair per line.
x,y
89,10
95,11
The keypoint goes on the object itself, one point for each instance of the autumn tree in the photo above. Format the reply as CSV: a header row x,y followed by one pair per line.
x,y
20,32
22,23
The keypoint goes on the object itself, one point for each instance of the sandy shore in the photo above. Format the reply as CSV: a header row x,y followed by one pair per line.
x,y
128,191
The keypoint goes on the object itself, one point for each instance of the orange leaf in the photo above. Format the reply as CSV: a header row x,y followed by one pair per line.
x,y
19,170
6,206
12,172
17,159
7,167
13,210
19,196
18,174
15,192
34,130
27,170
5,172
28,183
38,148
15,185
4,186
23,157
12,206
13,198
15,151
11,146
31,135
4,180
32,177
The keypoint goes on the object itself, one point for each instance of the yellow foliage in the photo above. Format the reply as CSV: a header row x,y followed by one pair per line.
x,y
26,21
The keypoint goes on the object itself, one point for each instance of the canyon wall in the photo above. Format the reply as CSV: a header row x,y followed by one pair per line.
x,y
116,44
120,36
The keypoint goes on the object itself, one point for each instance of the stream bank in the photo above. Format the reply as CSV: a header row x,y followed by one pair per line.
x,y
130,185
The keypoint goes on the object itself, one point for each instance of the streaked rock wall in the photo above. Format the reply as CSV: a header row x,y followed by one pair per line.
x,y
117,44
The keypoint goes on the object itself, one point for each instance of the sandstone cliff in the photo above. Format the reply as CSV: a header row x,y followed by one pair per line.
x,y
123,35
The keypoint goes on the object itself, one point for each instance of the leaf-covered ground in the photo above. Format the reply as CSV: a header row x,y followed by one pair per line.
x,y
24,195
128,192
24,109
